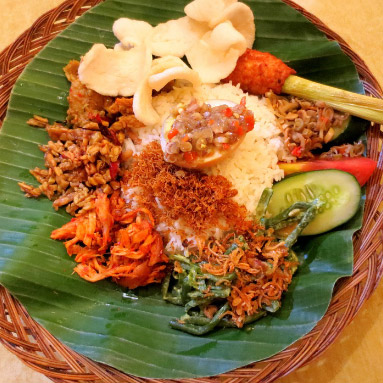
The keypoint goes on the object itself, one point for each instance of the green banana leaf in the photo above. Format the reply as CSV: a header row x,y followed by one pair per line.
x,y
129,330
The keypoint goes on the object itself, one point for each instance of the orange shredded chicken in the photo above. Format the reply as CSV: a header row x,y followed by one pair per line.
x,y
136,249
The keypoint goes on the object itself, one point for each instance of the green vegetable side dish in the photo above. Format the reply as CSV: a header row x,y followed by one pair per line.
x,y
339,191
308,203
199,291
131,332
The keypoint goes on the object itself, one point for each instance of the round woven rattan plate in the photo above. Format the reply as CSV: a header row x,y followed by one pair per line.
x,y
21,335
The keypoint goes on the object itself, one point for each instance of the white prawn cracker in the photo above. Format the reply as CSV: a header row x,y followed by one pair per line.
x,y
132,33
215,57
177,72
176,37
242,18
114,73
163,70
204,10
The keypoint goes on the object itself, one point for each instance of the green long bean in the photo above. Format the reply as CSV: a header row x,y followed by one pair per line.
x,y
243,245
263,203
308,216
202,320
195,289
195,329
292,214
301,212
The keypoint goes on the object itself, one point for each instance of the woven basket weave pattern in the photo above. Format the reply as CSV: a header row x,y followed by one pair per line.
x,y
37,348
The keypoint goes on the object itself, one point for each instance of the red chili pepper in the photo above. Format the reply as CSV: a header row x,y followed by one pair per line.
x,y
113,169
98,119
249,119
172,133
243,101
225,146
360,167
114,137
228,112
324,119
297,151
190,156
238,128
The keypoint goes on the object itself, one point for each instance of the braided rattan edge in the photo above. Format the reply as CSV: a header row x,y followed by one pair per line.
x,y
38,349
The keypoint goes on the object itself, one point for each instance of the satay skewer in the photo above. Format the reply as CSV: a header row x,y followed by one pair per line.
x,y
259,72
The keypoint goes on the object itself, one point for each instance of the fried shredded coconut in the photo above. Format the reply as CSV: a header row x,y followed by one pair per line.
x,y
202,201
136,250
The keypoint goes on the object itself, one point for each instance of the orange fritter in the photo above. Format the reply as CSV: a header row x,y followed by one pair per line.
x,y
258,72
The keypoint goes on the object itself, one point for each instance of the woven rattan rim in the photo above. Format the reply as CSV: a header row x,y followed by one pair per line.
x,y
38,349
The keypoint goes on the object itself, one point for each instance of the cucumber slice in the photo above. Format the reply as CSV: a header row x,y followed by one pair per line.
x,y
339,190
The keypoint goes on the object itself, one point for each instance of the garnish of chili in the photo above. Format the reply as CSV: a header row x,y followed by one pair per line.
x,y
172,133
190,156
297,151
113,169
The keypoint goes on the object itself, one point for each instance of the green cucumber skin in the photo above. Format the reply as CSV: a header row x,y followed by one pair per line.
x,y
351,133
339,189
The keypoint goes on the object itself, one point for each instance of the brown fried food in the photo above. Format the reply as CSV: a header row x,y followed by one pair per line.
x,y
58,132
259,72
84,104
126,122
122,105
29,190
38,122
87,109
84,154
78,162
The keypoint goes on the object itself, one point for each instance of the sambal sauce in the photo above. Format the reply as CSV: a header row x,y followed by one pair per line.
x,y
198,132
